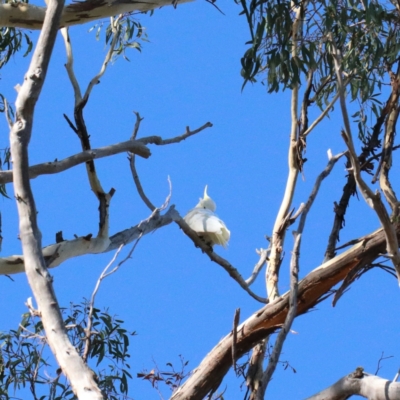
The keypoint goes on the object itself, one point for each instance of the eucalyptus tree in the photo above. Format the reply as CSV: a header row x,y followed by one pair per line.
x,y
323,53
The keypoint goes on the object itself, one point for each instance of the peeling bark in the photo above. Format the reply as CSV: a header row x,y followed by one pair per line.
x,y
312,289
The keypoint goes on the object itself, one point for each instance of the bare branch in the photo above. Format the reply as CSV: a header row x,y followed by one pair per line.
x,y
7,113
294,277
24,15
323,114
236,320
70,66
103,275
263,253
116,32
161,142
331,163
139,119
362,384
55,167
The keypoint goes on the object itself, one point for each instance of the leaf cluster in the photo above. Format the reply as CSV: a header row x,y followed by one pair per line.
x,y
25,361
366,33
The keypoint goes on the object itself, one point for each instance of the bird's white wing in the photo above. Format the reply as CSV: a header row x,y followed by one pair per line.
x,y
203,220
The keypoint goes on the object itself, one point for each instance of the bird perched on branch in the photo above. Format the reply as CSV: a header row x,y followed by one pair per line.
x,y
208,226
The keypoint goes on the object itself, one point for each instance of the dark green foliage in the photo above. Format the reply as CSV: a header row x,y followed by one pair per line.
x,y
12,41
130,34
366,32
25,361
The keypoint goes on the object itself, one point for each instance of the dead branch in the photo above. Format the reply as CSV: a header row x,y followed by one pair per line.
x,y
161,142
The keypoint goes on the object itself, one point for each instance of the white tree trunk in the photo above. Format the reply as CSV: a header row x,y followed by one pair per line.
x,y
80,376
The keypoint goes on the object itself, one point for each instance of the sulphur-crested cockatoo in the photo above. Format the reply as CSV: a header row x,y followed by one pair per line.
x,y
207,225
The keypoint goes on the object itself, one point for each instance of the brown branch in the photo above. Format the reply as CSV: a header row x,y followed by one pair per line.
x,y
270,318
236,320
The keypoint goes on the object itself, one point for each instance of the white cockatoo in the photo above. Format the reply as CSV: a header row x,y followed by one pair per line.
x,y
208,226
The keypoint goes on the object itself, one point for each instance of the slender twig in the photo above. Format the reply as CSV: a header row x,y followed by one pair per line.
x,y
70,66
294,276
322,115
7,113
139,187
331,163
161,142
236,320
263,253
139,119
116,32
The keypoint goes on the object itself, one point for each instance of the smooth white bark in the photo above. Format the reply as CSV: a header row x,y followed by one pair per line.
x,y
362,384
24,15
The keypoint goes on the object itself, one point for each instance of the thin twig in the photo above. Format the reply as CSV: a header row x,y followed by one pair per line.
x,y
161,142
236,320
139,119
116,32
139,187
102,276
331,163
294,276
70,66
263,253
7,113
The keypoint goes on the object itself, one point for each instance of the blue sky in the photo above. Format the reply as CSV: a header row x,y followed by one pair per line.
x,y
170,293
